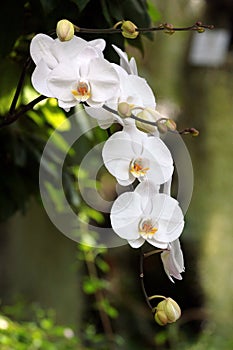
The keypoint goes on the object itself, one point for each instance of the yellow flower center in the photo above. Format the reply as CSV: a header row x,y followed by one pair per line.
x,y
147,229
82,91
137,168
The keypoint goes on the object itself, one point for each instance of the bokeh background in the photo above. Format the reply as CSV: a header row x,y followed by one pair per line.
x,y
57,294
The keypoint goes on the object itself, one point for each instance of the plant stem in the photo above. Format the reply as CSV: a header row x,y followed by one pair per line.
x,y
20,85
164,26
156,297
99,296
12,117
152,252
142,279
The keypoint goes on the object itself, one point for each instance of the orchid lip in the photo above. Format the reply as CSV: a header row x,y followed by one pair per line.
x,y
138,167
82,91
147,228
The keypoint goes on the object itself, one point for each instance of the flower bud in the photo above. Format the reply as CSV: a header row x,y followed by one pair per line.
x,y
151,115
200,30
162,127
124,109
169,28
129,30
170,124
194,132
161,318
65,30
170,308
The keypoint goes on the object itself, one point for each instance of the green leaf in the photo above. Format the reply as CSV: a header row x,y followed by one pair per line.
x,y
106,13
81,4
102,265
9,72
108,309
11,24
56,197
49,5
91,285
153,11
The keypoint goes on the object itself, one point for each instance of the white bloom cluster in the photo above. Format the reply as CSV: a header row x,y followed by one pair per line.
x,y
76,71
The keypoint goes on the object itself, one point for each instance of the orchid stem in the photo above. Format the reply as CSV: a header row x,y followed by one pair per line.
x,y
20,85
142,279
163,26
157,297
12,117
152,252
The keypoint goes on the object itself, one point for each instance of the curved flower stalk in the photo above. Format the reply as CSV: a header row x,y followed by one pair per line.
x,y
73,71
147,215
131,154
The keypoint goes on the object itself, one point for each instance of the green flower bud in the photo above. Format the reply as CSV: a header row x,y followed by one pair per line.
x,y
151,115
161,318
170,308
200,30
124,109
129,30
162,127
170,124
65,30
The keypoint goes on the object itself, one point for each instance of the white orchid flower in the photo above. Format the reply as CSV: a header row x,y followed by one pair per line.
x,y
73,71
133,89
173,261
147,215
131,154
53,51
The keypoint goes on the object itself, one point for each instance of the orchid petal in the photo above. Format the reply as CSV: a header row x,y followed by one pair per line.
x,y
68,49
160,168
173,261
61,80
137,243
125,215
117,155
156,243
142,92
39,77
129,66
169,216
67,105
40,48
98,44
103,79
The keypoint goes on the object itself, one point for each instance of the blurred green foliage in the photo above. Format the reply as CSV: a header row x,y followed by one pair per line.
x,y
42,333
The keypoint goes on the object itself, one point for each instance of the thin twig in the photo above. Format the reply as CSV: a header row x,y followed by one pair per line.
x,y
142,279
20,85
163,26
152,252
99,296
12,117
